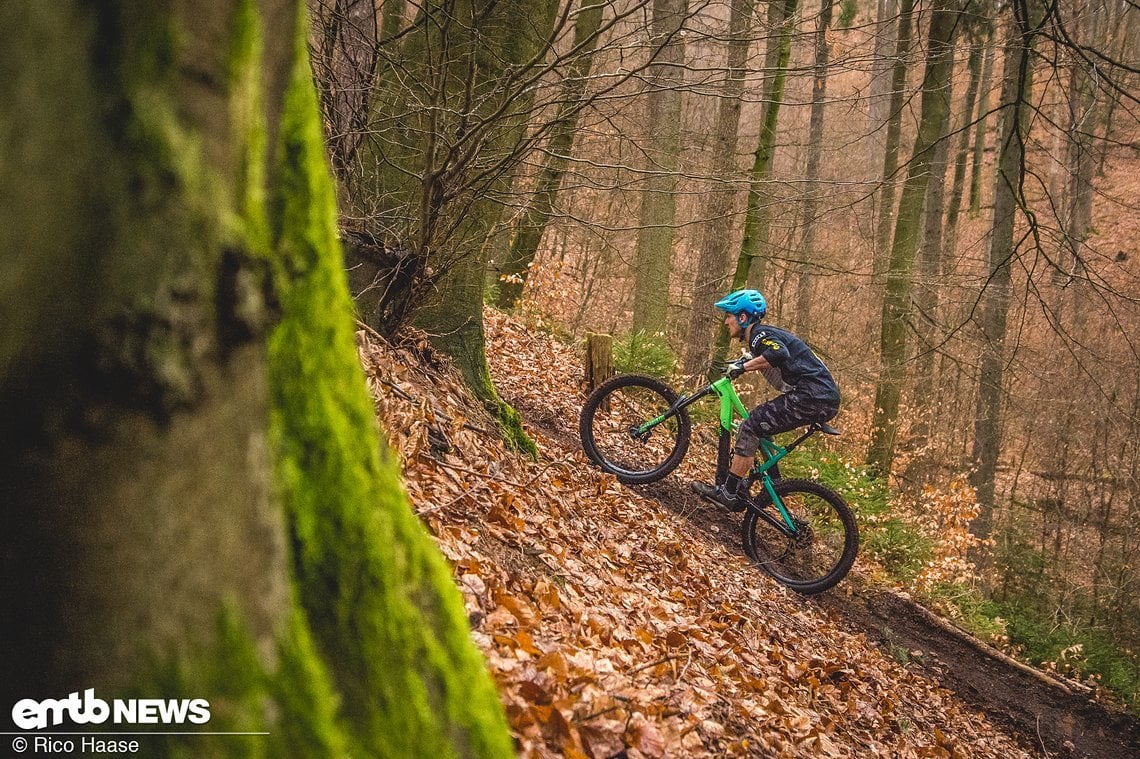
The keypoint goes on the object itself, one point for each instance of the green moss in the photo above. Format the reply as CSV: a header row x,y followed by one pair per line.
x,y
292,699
250,225
384,611
512,426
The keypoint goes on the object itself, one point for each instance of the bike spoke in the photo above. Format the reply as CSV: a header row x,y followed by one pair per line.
x,y
819,551
620,434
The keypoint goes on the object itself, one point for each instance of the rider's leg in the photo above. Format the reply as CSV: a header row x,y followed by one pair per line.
x,y
726,493
737,472
790,411
781,414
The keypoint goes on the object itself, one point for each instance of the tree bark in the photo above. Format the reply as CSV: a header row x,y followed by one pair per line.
x,y
928,280
980,131
886,217
599,360
657,218
1082,118
812,188
750,261
878,99
933,115
751,265
466,66
1016,85
958,187
196,500
719,201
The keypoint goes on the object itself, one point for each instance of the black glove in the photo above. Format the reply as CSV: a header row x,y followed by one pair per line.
x,y
735,369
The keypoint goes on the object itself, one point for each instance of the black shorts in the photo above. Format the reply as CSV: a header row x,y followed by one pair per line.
x,y
786,412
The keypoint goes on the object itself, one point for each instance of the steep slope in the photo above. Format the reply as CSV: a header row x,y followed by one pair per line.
x,y
616,623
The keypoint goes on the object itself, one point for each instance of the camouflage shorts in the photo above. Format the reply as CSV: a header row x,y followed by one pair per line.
x,y
786,412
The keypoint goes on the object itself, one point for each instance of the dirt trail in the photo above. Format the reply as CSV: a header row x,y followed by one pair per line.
x,y
1056,719
1060,720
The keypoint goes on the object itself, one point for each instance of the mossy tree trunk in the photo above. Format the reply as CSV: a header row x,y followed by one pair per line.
x,y
751,264
811,174
933,114
196,499
928,289
452,112
751,260
662,148
885,221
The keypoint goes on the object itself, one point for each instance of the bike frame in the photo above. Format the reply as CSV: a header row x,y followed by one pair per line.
x,y
730,406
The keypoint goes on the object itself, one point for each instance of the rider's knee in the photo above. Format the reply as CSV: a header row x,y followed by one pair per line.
x,y
747,441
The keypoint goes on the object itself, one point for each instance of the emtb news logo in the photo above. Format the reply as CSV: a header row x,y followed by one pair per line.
x,y
29,714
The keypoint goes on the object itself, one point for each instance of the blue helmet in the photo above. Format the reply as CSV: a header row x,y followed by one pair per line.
x,y
748,302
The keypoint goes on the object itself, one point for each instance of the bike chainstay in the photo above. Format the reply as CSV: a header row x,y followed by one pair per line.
x,y
762,500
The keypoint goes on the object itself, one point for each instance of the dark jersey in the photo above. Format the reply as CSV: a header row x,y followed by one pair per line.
x,y
795,368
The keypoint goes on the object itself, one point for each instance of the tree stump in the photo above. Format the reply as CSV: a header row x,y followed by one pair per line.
x,y
599,359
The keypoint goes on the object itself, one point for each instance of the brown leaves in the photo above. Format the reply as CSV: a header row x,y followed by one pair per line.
x,y
614,624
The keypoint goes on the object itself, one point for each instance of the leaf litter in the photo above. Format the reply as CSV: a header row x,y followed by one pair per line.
x,y
612,625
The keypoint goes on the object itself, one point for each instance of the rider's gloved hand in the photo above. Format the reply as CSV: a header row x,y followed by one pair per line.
x,y
735,369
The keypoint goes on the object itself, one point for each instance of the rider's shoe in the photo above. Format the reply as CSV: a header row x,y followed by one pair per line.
x,y
719,495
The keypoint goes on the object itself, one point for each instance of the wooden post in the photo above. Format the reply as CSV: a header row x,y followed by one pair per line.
x,y
599,360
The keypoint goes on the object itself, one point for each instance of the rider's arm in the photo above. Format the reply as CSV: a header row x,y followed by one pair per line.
x,y
757,364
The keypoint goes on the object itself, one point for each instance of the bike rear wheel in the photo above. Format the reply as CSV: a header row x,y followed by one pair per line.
x,y
822,550
623,430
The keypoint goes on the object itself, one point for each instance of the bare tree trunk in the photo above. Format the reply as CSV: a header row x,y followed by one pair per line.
x,y
812,187
980,131
933,115
718,206
879,97
1080,161
885,221
1126,30
663,160
958,187
1016,84
540,208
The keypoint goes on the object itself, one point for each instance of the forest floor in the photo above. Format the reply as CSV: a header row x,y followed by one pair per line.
x,y
625,622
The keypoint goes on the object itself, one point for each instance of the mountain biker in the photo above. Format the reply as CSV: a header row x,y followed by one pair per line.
x,y
808,391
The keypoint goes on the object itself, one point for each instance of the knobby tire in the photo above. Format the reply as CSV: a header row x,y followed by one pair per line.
x,y
776,566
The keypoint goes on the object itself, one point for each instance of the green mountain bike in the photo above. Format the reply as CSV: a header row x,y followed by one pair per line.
x,y
799,531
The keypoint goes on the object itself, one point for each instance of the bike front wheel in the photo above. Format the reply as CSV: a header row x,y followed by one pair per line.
x,y
627,430
819,552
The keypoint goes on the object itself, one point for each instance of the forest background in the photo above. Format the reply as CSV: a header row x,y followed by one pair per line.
x,y
196,501
939,196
